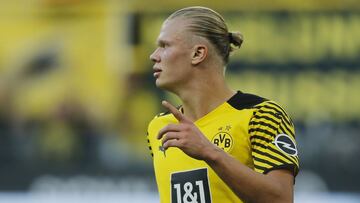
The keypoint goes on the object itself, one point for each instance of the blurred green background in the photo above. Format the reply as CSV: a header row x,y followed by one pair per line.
x,y
77,92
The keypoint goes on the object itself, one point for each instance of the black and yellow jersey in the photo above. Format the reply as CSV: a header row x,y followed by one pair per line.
x,y
255,131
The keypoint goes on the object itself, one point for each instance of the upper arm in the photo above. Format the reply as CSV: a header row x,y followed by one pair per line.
x,y
285,180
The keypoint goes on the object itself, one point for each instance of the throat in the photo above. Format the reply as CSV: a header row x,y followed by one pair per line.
x,y
197,107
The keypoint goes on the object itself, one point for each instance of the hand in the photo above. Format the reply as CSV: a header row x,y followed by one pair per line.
x,y
185,135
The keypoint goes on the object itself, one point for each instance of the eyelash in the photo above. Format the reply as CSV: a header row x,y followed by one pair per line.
x,y
163,45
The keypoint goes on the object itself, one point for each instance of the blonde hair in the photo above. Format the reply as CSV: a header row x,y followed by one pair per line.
x,y
209,24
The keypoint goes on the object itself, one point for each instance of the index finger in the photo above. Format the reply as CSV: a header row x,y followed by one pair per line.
x,y
178,115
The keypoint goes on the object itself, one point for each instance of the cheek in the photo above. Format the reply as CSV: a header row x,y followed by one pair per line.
x,y
176,57
169,54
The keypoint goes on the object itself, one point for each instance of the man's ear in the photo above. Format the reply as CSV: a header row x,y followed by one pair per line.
x,y
199,54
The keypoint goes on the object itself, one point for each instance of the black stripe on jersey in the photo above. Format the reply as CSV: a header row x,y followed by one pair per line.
x,y
151,151
263,124
148,141
268,155
275,114
259,138
266,118
278,110
282,155
265,161
284,116
259,145
287,126
244,101
287,131
289,158
293,168
274,107
253,130
260,168
288,119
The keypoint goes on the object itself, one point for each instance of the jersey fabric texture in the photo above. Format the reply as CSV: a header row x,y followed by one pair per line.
x,y
256,131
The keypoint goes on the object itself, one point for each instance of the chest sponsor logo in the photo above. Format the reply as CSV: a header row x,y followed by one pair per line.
x,y
190,187
223,140
286,144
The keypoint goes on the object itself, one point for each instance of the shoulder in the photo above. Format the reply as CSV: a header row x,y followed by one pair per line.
x,y
270,119
271,109
259,104
263,109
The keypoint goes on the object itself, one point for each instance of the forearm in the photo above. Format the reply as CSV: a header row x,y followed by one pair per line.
x,y
245,182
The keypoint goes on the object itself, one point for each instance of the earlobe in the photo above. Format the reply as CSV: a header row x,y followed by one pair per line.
x,y
199,54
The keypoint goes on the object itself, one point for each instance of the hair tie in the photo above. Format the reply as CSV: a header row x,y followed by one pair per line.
x,y
230,37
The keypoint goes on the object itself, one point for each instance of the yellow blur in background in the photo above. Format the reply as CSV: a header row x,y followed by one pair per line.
x,y
77,93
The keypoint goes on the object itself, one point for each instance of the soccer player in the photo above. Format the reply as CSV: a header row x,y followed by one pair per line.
x,y
220,145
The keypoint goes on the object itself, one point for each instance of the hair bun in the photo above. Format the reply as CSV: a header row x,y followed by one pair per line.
x,y
236,38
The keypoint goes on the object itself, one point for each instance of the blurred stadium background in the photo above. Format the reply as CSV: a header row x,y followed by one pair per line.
x,y
76,93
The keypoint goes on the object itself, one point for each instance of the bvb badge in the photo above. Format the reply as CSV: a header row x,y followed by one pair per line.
x,y
223,139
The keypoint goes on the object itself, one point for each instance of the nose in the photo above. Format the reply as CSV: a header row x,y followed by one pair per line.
x,y
154,57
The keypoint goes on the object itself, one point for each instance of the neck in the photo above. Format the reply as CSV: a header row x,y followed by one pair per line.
x,y
203,96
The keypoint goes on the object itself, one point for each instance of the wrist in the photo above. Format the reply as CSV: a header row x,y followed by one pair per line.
x,y
213,155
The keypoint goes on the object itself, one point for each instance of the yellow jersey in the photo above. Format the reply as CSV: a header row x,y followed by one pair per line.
x,y
256,131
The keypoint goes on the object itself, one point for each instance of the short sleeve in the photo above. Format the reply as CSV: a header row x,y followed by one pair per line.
x,y
272,138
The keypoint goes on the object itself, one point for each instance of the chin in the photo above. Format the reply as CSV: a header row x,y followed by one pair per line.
x,y
160,85
163,85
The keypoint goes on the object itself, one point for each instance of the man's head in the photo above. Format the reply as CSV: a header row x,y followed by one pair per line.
x,y
191,37
209,24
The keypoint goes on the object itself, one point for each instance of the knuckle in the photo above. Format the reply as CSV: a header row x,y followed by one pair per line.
x,y
161,133
166,128
187,127
169,135
180,145
183,142
170,143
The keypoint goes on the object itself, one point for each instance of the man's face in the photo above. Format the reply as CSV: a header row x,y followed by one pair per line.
x,y
172,57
